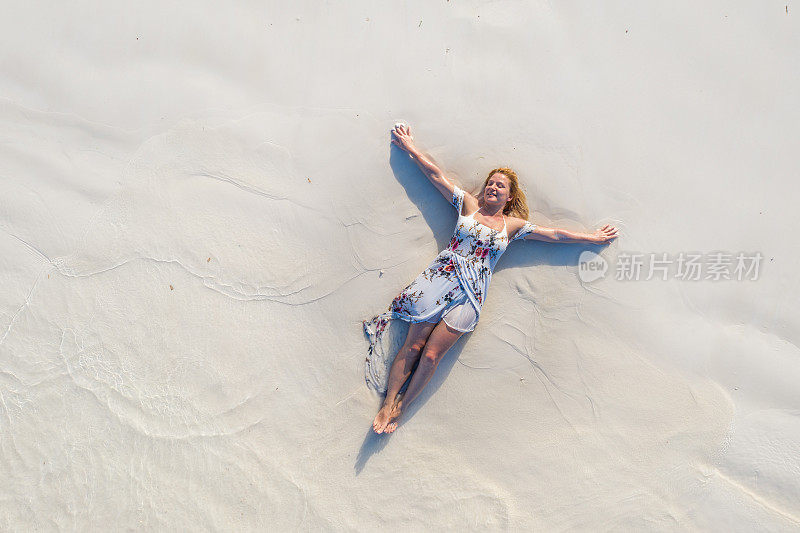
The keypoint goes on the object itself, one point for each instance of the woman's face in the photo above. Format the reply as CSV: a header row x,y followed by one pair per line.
x,y
497,190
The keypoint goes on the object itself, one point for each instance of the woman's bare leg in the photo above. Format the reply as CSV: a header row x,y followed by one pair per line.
x,y
441,340
404,361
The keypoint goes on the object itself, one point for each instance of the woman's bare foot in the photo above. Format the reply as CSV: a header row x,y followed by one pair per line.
x,y
382,418
386,417
394,414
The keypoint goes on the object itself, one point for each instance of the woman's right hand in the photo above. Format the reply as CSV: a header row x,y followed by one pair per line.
x,y
401,136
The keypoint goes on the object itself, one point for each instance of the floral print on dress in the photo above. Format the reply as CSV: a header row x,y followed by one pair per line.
x,y
465,266
441,267
449,296
405,300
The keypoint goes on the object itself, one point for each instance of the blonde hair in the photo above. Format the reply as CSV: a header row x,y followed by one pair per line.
x,y
518,205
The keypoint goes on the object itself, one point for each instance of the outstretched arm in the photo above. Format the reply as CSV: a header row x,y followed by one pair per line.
x,y
601,236
401,136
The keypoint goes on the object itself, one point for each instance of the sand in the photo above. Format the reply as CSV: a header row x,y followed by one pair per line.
x,y
199,205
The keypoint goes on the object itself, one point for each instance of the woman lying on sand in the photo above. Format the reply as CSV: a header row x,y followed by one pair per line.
x,y
445,300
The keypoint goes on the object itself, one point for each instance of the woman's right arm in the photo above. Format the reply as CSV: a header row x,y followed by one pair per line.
x,y
401,136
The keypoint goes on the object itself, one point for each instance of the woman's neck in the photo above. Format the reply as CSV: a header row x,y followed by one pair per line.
x,y
490,212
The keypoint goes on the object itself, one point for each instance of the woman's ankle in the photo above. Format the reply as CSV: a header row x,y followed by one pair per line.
x,y
387,402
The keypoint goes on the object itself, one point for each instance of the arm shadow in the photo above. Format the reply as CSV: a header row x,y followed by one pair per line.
x,y
441,217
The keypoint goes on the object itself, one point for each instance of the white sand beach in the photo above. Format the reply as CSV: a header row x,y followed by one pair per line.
x,y
200,204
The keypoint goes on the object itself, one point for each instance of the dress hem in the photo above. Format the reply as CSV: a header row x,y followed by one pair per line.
x,y
459,329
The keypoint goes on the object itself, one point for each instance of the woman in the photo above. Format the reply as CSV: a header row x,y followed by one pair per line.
x,y
445,300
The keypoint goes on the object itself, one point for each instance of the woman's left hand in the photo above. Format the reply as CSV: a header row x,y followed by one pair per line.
x,y
603,235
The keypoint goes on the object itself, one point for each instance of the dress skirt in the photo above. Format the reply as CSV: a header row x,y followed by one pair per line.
x,y
459,314
436,294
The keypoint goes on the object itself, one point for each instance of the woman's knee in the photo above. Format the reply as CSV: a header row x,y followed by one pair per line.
x,y
415,348
415,345
430,356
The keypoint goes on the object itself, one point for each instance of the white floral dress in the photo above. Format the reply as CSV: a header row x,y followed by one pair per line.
x,y
460,273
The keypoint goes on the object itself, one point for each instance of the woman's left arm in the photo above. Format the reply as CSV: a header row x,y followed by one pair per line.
x,y
601,236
